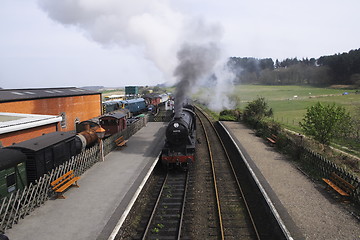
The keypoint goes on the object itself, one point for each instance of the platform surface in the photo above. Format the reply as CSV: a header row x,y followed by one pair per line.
x,y
91,211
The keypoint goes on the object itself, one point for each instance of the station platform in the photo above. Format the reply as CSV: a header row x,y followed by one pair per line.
x,y
93,210
304,205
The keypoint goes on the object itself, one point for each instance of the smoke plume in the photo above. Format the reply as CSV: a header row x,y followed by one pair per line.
x,y
195,62
184,48
149,28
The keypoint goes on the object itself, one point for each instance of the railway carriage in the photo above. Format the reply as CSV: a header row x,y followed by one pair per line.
x,y
135,106
114,122
46,152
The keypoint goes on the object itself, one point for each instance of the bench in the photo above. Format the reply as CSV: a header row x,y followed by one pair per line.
x,y
120,142
62,183
272,139
341,186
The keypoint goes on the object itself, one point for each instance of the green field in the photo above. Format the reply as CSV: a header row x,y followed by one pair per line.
x,y
290,102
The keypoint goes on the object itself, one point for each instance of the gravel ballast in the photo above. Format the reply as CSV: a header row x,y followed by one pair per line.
x,y
314,211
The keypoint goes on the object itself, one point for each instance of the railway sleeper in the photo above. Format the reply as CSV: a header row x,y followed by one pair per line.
x,y
169,207
175,195
171,203
170,216
162,236
233,198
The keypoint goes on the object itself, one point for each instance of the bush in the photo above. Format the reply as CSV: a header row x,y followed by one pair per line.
x,y
230,115
227,118
256,111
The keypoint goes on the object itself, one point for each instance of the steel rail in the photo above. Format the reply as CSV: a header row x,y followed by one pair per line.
x,y
236,179
215,182
154,209
183,206
167,181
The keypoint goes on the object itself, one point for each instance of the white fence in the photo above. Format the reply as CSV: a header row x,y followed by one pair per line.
x,y
22,202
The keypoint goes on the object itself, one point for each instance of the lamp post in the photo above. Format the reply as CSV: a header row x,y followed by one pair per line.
x,y
100,132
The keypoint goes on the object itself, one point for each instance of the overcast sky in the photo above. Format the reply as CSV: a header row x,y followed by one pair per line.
x,y
47,43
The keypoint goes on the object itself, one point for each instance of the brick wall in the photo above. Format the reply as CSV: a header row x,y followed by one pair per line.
x,y
75,108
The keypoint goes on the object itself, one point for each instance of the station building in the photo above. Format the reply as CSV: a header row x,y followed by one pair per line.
x,y
73,105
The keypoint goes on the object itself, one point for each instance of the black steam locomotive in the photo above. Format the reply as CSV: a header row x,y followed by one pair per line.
x,y
179,148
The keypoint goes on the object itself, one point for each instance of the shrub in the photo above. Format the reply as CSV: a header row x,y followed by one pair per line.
x,y
230,115
256,111
324,122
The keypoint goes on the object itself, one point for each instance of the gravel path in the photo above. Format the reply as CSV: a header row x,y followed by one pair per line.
x,y
315,213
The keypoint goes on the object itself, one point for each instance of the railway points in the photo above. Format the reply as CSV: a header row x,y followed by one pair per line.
x,y
92,211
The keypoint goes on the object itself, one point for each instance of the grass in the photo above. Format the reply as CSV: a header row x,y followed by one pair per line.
x,y
290,102
282,93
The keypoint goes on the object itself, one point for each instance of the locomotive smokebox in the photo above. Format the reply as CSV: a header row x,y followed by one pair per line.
x,y
180,128
177,132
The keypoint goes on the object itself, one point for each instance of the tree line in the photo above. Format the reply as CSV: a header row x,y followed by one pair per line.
x,y
342,69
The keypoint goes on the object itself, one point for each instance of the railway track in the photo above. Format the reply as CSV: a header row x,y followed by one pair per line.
x,y
223,197
165,221
234,219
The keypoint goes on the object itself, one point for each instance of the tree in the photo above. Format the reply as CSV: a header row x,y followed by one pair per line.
x,y
324,122
256,110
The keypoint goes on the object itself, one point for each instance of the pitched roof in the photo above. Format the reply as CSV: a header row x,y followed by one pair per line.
x,y
9,95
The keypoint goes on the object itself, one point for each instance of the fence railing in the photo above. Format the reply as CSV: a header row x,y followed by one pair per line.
x,y
323,167
23,202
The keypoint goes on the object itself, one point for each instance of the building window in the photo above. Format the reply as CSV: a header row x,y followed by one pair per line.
x,y
63,121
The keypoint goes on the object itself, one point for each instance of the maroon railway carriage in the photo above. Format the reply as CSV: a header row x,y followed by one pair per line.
x,y
113,122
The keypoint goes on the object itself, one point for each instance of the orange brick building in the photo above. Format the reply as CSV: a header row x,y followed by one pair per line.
x,y
72,104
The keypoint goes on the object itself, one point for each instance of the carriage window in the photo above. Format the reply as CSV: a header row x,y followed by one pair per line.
x,y
11,182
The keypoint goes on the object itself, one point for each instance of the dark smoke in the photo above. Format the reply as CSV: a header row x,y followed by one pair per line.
x,y
195,62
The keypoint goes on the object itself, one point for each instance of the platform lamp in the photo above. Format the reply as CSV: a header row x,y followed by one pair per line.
x,y
100,132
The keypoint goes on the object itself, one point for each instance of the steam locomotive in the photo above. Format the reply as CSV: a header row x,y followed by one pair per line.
x,y
179,148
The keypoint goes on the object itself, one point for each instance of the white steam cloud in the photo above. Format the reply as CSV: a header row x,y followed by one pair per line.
x,y
150,25
221,88
184,48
